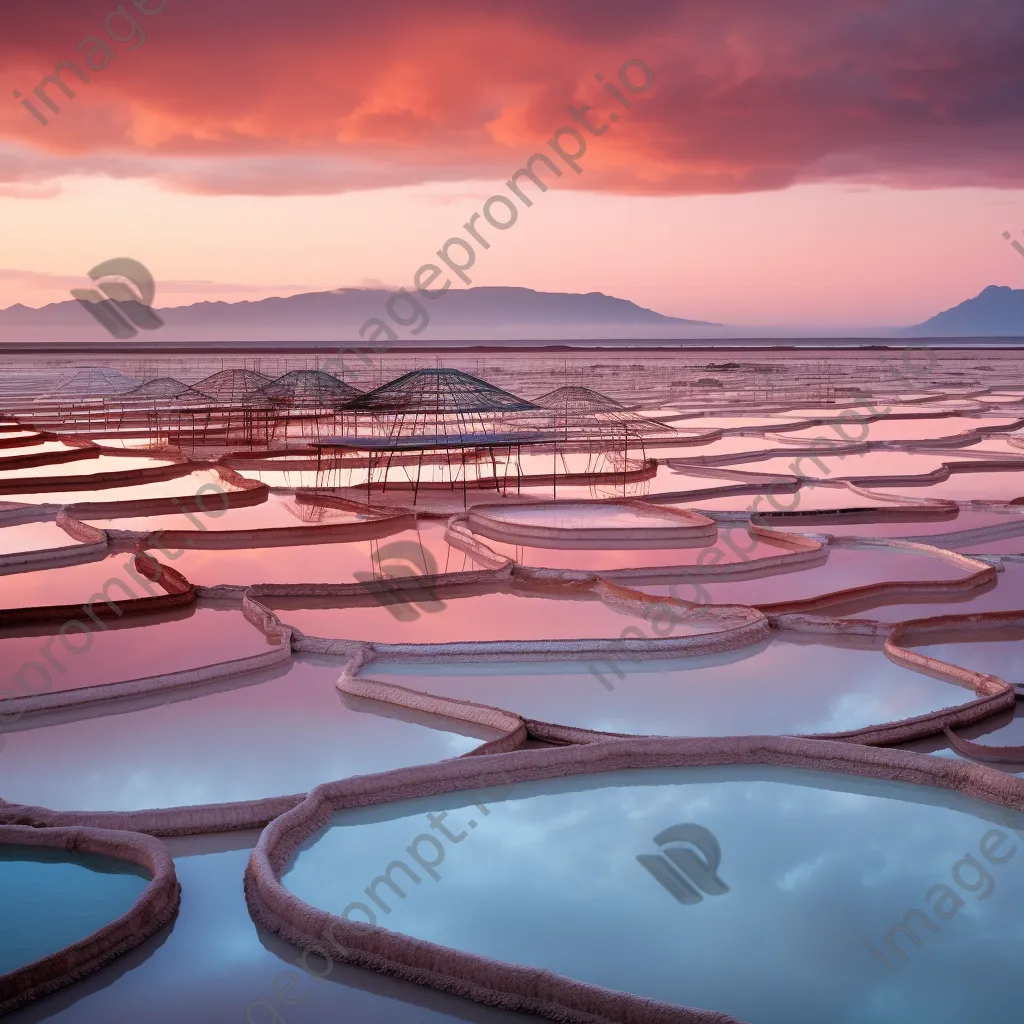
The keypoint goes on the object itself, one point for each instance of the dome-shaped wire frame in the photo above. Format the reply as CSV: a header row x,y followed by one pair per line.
x,y
583,410
234,387
442,403
309,389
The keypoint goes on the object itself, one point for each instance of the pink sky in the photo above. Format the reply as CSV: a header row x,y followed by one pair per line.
x,y
850,163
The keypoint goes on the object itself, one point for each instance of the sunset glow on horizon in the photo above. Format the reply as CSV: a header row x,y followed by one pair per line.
x,y
856,165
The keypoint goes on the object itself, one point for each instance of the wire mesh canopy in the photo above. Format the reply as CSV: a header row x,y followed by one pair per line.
x,y
573,399
310,389
91,382
234,386
165,389
584,409
443,391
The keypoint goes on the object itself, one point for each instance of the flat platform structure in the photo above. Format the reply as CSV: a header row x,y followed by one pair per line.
x,y
427,442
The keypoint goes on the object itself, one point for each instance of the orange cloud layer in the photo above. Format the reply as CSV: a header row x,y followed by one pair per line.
x,y
260,97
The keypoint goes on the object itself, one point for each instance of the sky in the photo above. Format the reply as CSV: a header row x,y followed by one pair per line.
x,y
798,163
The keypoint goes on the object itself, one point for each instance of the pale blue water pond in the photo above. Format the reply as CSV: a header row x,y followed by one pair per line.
x,y
51,899
272,733
811,866
214,964
775,687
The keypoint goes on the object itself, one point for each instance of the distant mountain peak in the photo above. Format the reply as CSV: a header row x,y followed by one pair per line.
x,y
996,311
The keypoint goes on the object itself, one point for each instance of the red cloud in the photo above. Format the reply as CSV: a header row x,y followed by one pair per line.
x,y
256,96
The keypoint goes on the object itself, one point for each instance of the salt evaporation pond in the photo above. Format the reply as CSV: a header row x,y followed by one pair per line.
x,y
998,652
275,513
809,498
728,445
423,551
1005,595
434,617
117,650
579,515
994,733
85,467
26,537
811,866
753,424
184,487
774,687
845,569
925,531
266,734
230,965
34,448
52,898
1005,485
877,463
1002,546
734,544
77,584
999,445
893,430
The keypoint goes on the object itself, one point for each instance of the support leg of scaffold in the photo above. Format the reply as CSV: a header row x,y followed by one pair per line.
x,y
416,489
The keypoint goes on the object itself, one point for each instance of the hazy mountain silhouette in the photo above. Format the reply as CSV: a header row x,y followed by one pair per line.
x,y
997,311
460,313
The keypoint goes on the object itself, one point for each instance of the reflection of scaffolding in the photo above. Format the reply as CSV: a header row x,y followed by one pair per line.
x,y
451,456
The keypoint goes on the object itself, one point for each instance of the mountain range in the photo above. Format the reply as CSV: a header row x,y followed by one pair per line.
x,y
489,313
484,314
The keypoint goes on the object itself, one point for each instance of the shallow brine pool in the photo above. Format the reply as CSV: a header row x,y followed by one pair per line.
x,y
774,687
52,898
267,734
777,896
